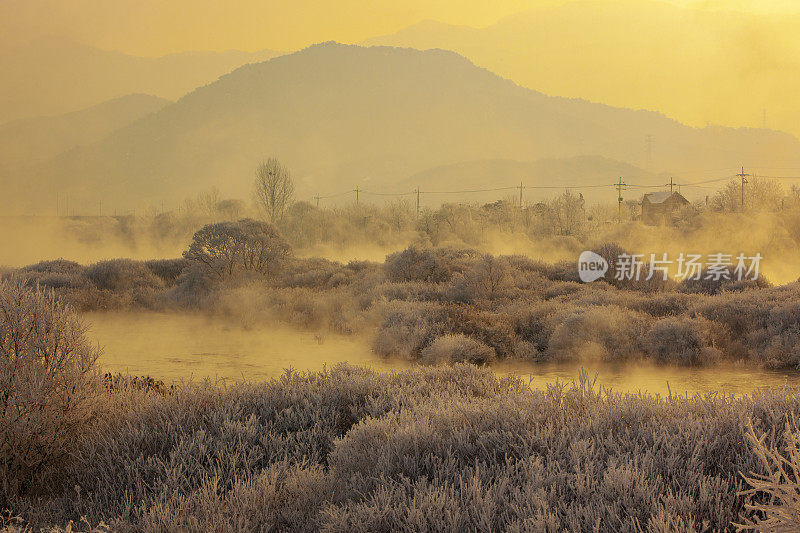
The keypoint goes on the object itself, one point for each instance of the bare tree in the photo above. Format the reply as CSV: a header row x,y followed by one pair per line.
x,y
568,213
274,189
209,201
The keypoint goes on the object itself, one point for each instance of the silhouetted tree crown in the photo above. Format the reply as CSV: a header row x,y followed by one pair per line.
x,y
226,248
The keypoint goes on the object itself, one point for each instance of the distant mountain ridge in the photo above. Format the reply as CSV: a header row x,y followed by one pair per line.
x,y
342,115
53,75
25,140
696,65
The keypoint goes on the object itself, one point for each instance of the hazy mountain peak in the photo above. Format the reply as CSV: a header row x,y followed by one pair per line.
x,y
690,64
340,115
54,75
26,140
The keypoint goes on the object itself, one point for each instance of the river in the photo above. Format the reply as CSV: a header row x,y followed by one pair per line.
x,y
182,347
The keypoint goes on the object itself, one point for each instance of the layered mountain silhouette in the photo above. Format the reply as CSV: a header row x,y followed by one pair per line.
x,y
25,141
344,115
52,75
695,65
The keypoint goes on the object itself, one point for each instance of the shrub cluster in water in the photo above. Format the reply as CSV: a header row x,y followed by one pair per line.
x,y
446,304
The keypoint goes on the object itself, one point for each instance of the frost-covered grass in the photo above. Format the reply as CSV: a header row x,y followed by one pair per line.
x,y
452,449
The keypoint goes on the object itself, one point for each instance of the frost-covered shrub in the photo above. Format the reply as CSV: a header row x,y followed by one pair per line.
x,y
60,281
322,274
532,324
765,323
407,327
122,275
168,270
660,304
432,265
59,274
774,495
417,291
493,329
457,349
606,333
48,386
453,448
55,266
225,249
487,278
562,288
709,285
682,341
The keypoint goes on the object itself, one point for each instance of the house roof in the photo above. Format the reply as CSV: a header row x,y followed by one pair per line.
x,y
660,196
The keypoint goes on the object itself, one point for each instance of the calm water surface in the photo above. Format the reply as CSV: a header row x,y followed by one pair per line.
x,y
176,347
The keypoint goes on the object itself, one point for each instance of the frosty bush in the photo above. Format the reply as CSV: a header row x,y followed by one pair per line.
x,y
48,387
453,448
167,269
422,293
775,495
683,341
432,265
488,278
607,333
457,349
226,248
122,275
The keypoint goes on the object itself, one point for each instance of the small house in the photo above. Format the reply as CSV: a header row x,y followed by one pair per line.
x,y
662,207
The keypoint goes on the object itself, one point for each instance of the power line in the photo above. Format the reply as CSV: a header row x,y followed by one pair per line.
x,y
620,186
388,193
465,191
744,180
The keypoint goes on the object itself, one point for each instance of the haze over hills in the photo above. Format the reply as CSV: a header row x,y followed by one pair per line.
x,y
694,65
52,75
341,115
24,141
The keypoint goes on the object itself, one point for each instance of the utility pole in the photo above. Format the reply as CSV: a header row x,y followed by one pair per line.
x,y
671,185
417,191
520,194
744,180
317,199
356,189
620,187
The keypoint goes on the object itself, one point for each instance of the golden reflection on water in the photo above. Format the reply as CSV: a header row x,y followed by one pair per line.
x,y
176,347
185,346
655,379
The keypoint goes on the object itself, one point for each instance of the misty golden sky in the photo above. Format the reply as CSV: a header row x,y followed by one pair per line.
x,y
156,27
728,62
